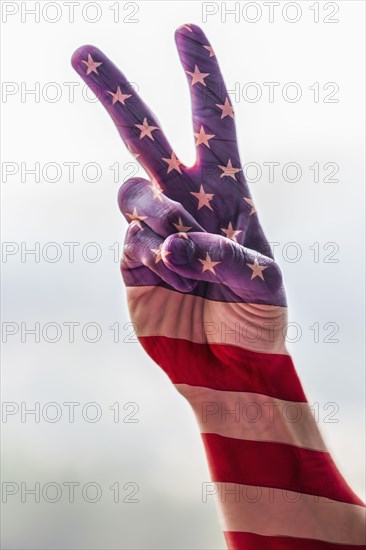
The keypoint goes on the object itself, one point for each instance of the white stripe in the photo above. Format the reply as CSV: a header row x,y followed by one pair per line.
x,y
162,312
276,512
253,416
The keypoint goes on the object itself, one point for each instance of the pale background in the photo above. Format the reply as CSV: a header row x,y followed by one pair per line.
x,y
162,452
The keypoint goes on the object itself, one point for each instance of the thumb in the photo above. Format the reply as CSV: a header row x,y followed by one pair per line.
x,y
212,258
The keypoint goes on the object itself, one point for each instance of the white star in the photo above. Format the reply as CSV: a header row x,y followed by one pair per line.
x,y
91,65
208,264
187,27
173,163
156,191
202,137
230,232
226,109
136,155
135,219
203,198
210,49
119,96
146,129
257,270
229,170
197,76
160,254
181,228
250,202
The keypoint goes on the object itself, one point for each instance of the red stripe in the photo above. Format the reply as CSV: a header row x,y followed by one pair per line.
x,y
250,541
225,367
276,465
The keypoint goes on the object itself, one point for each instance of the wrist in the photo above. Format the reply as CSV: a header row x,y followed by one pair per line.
x,y
252,327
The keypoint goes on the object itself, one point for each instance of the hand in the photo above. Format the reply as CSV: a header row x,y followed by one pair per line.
x,y
209,307
193,230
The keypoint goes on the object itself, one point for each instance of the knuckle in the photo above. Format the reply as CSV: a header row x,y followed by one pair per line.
x,y
131,191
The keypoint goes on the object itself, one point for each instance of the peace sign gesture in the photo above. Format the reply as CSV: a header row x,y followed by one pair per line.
x,y
213,194
209,307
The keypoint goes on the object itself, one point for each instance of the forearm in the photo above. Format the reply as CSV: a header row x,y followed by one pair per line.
x,y
273,476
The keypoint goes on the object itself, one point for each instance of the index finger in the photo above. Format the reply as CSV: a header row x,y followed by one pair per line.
x,y
137,125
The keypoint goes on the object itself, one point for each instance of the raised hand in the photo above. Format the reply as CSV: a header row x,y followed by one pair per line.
x,y
209,307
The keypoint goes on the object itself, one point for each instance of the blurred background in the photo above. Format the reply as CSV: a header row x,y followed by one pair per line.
x,y
111,456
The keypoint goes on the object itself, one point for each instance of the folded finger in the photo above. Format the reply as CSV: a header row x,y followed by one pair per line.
x,y
215,259
141,200
143,247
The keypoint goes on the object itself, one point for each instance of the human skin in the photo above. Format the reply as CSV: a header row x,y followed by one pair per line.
x,y
209,306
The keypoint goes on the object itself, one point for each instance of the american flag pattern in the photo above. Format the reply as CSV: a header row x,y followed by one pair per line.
x,y
209,305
